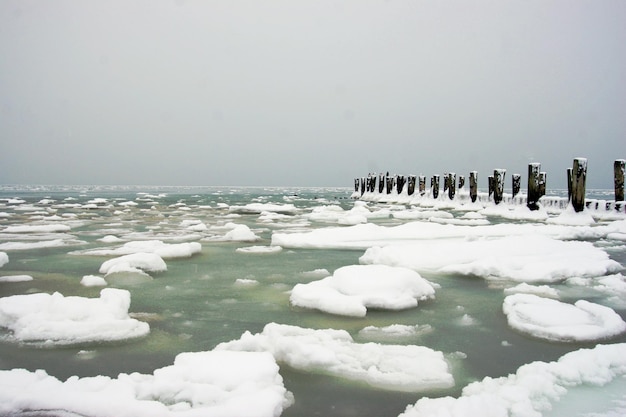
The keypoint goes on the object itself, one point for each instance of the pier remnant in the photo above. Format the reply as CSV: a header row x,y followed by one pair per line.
x,y
389,184
473,180
411,185
356,184
461,181
400,181
516,180
490,184
422,184
451,185
569,184
498,185
543,177
579,178
618,172
362,185
434,185
533,194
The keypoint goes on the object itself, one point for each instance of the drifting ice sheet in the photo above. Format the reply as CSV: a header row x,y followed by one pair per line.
x,y
518,258
199,384
56,319
164,250
134,263
532,389
352,289
553,320
4,259
393,367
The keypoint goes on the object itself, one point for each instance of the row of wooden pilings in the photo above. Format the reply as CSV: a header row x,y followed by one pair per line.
x,y
576,181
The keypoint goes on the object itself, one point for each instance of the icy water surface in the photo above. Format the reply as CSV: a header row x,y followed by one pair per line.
x,y
199,302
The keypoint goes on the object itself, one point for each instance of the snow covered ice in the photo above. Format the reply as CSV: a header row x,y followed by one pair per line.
x,y
353,289
262,301
60,320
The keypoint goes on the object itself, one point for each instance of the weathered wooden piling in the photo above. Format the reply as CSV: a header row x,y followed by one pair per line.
x,y
490,184
434,185
389,184
451,185
579,178
533,186
445,182
569,184
362,185
400,181
461,181
411,185
473,180
498,184
516,180
356,184
618,174
543,178
372,183
381,183
422,184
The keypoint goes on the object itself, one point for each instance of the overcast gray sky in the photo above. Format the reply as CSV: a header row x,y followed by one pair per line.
x,y
308,92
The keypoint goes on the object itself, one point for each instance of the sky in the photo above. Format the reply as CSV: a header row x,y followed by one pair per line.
x,y
308,92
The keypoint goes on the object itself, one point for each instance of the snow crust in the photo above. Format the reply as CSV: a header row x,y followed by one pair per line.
x,y
533,258
554,320
532,390
352,289
198,384
59,320
394,367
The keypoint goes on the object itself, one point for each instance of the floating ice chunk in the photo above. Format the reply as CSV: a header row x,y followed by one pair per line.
x,y
70,320
37,228
394,331
158,247
207,384
259,249
393,367
554,320
540,290
258,208
570,217
241,233
4,259
518,258
246,282
110,239
93,281
16,278
316,273
136,262
532,390
352,289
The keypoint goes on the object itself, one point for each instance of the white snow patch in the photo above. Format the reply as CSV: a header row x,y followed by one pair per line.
x,y
352,289
93,281
134,263
554,320
394,367
59,320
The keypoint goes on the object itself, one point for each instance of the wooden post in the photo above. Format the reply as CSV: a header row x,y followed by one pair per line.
x,y
473,180
381,183
435,185
356,185
517,182
461,181
490,184
543,177
362,185
618,172
411,185
498,185
569,184
373,183
579,178
389,184
533,185
422,184
451,185
400,183
446,183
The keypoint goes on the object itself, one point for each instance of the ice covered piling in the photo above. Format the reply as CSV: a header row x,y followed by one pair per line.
x,y
393,367
579,178
56,319
618,172
351,290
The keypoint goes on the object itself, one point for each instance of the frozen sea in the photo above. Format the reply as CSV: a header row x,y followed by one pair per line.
x,y
408,307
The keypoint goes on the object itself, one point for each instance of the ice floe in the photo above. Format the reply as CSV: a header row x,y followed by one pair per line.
x,y
93,281
198,384
134,263
351,290
158,247
532,390
257,208
394,367
550,319
58,320
533,258
4,259
259,249
16,278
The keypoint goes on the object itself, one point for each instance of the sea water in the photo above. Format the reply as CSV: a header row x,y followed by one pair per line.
x,y
218,294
